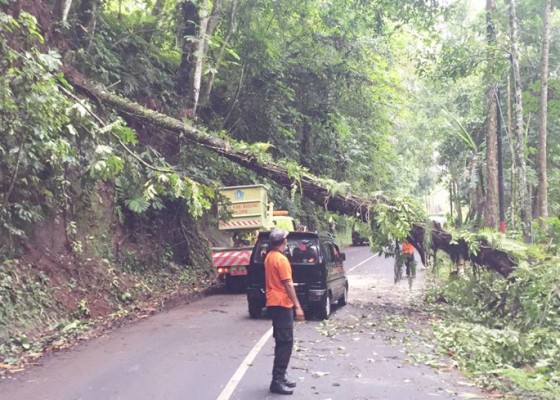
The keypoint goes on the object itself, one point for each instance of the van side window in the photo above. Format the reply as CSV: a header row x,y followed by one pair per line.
x,y
332,251
260,255
325,249
336,252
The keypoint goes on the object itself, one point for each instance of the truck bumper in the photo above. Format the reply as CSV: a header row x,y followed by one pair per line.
x,y
231,271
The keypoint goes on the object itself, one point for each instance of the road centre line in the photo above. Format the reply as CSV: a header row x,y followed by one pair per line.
x,y
247,362
363,262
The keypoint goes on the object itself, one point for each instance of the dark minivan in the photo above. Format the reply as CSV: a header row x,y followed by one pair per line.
x,y
317,269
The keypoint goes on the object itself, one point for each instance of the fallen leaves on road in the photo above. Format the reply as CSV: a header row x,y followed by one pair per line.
x,y
471,396
11,368
319,374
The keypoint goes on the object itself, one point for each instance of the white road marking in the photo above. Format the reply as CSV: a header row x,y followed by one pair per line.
x,y
238,375
363,262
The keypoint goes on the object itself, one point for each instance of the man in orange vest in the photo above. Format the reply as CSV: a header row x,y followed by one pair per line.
x,y
281,302
408,252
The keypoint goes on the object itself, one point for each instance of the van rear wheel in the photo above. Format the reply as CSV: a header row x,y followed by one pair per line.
x,y
325,308
343,300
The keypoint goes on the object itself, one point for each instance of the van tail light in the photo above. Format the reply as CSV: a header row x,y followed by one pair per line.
x,y
316,295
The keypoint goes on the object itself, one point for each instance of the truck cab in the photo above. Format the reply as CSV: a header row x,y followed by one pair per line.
x,y
281,220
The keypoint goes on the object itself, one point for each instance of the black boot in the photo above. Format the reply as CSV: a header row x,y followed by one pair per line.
x,y
280,387
289,382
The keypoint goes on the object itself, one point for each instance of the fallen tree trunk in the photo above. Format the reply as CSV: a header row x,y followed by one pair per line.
x,y
488,256
311,187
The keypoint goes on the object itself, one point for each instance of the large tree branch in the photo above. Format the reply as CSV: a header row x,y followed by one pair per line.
x,y
487,255
311,187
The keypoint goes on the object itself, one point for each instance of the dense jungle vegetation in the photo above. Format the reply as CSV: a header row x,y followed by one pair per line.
x,y
106,211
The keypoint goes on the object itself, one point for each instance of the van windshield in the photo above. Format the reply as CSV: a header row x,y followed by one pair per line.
x,y
298,250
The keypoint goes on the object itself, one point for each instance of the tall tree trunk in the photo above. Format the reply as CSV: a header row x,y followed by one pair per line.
x,y
472,207
520,146
214,18
458,206
542,188
203,29
513,177
200,53
451,199
152,26
232,27
61,9
305,142
491,217
87,20
479,195
304,126
190,21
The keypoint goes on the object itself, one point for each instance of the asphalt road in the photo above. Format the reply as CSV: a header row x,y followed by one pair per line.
x,y
211,350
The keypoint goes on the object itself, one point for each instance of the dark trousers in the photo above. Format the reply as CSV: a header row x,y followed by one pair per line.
x,y
408,260
283,332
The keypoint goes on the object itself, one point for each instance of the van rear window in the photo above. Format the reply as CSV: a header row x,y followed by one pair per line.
x,y
298,251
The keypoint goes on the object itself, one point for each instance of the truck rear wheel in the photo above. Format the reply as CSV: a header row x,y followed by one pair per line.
x,y
255,309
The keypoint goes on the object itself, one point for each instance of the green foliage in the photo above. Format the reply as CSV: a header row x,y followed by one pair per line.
x,y
335,188
119,43
295,171
489,237
547,234
343,225
137,205
329,88
509,328
392,223
50,143
317,86
149,178
529,360
25,300
472,240
461,132
37,142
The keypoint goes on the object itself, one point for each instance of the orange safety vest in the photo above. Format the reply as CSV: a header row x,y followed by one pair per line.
x,y
407,248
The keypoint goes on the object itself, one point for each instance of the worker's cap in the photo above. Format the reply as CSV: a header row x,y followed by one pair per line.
x,y
277,235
